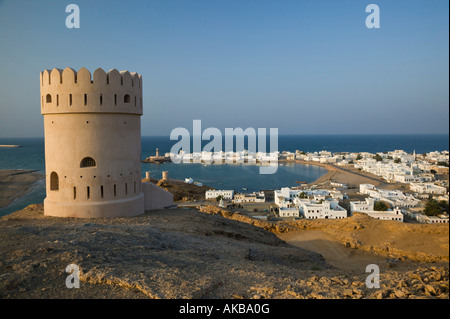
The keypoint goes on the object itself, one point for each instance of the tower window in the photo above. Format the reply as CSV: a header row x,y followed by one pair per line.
x,y
126,189
74,193
57,100
85,99
101,99
88,192
115,190
115,99
87,162
101,191
126,98
54,182
48,98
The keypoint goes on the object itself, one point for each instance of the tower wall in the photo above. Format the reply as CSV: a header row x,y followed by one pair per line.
x,y
92,143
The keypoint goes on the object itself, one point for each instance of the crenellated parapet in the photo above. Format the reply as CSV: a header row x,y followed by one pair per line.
x,y
69,91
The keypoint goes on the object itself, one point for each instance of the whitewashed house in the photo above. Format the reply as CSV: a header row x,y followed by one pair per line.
x,y
288,212
213,194
285,196
367,207
250,198
427,188
324,209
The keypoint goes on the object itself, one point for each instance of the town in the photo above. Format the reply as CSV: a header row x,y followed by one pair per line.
x,y
412,188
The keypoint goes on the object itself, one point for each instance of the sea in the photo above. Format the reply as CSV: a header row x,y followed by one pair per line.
x,y
242,177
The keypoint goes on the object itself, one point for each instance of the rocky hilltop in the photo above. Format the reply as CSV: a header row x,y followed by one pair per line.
x,y
186,253
180,190
401,241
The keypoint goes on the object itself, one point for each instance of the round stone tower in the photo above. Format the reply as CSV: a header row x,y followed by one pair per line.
x,y
92,143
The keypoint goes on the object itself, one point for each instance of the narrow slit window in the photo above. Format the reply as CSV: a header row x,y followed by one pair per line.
x,y
57,99
135,187
101,99
115,99
74,193
88,192
70,99
126,189
85,99
115,190
135,101
140,104
101,191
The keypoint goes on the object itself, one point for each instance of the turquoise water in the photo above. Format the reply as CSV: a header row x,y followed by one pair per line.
x,y
31,156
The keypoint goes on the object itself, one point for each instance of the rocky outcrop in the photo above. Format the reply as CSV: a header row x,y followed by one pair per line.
x,y
184,253
180,190
178,253
392,239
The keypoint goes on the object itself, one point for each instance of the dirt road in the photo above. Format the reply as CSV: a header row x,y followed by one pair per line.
x,y
334,252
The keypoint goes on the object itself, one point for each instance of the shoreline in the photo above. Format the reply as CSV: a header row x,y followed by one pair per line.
x,y
341,175
16,183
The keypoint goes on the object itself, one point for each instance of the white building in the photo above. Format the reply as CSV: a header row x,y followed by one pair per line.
x,y
288,212
284,197
427,188
325,209
394,197
213,194
250,198
362,206
406,178
367,207
442,219
365,188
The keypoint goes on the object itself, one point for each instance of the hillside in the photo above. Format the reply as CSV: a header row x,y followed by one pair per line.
x,y
416,242
180,190
184,253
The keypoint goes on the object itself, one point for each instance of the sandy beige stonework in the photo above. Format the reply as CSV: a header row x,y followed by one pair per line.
x,y
92,143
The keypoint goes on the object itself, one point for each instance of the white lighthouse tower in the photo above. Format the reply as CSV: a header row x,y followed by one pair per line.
x,y
92,143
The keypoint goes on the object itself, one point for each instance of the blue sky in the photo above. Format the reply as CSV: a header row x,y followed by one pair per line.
x,y
303,66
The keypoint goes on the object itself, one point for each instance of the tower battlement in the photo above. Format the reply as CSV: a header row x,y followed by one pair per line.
x,y
92,131
69,91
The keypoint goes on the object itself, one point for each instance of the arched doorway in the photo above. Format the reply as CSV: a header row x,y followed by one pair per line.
x,y
54,182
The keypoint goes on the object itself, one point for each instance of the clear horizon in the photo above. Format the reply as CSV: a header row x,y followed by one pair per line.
x,y
304,67
318,134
